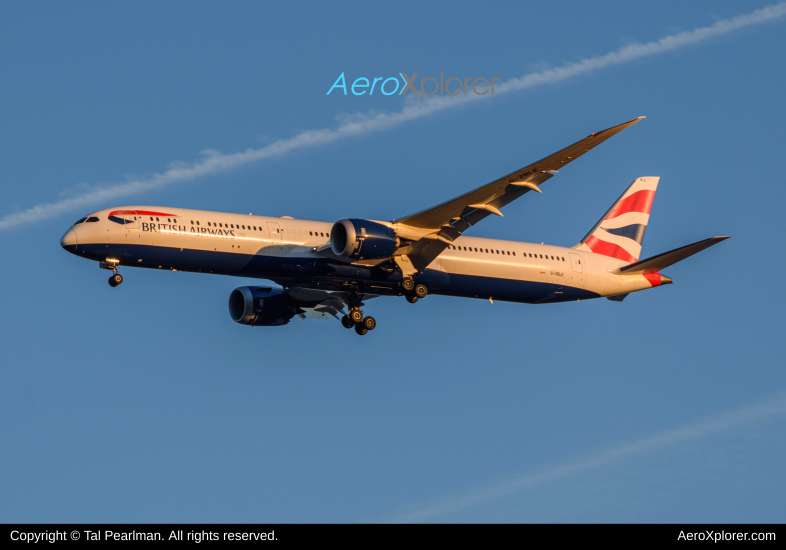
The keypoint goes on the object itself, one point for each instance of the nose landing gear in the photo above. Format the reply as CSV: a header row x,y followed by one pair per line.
x,y
115,280
111,264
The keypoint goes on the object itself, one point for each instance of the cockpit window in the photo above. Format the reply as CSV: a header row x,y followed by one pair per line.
x,y
80,221
92,219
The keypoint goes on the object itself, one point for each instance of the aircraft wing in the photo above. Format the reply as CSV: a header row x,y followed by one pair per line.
x,y
433,229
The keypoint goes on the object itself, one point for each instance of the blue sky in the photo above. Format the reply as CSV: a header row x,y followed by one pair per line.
x,y
147,403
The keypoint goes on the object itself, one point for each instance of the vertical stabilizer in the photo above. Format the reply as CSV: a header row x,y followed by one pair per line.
x,y
620,232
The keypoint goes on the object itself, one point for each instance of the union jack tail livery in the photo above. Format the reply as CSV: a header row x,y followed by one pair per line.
x,y
620,231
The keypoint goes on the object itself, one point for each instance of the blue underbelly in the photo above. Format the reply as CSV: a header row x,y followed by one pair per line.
x,y
322,273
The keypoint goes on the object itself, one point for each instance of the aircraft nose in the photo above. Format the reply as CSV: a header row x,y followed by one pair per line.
x,y
68,241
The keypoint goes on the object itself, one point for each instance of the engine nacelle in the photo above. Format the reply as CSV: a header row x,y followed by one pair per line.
x,y
261,306
363,240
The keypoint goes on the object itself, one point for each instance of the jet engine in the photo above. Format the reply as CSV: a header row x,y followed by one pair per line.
x,y
363,240
261,306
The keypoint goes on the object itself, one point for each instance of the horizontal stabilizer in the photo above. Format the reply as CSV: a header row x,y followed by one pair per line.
x,y
662,261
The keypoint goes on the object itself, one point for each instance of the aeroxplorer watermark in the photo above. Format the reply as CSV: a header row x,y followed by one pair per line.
x,y
428,85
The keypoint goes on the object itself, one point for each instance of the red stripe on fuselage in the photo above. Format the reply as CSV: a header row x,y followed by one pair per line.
x,y
640,201
142,213
609,249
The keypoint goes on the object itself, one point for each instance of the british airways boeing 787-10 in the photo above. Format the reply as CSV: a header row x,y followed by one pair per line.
x,y
329,269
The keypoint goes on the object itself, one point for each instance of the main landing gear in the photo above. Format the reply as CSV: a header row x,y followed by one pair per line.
x,y
412,291
116,277
355,318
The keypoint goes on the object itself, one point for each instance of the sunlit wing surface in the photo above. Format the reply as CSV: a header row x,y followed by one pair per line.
x,y
450,219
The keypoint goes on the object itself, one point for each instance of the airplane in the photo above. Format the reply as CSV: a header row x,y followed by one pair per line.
x,y
329,270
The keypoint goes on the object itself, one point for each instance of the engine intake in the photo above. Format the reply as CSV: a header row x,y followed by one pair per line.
x,y
363,240
261,306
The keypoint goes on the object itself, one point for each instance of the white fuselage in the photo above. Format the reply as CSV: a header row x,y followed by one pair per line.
x,y
292,253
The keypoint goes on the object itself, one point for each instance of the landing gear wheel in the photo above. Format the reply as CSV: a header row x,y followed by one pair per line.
x,y
346,322
360,329
411,298
356,315
421,291
408,284
115,280
370,323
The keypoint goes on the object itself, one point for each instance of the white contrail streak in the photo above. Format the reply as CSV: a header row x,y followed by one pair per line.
x,y
721,422
213,162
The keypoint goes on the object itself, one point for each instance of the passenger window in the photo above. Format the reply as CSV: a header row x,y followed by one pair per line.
x,y
197,222
157,219
514,253
151,218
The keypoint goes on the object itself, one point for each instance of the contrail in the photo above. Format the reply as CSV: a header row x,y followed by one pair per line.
x,y
212,162
720,422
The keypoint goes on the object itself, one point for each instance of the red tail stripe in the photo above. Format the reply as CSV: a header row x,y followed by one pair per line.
x,y
609,249
653,278
640,201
